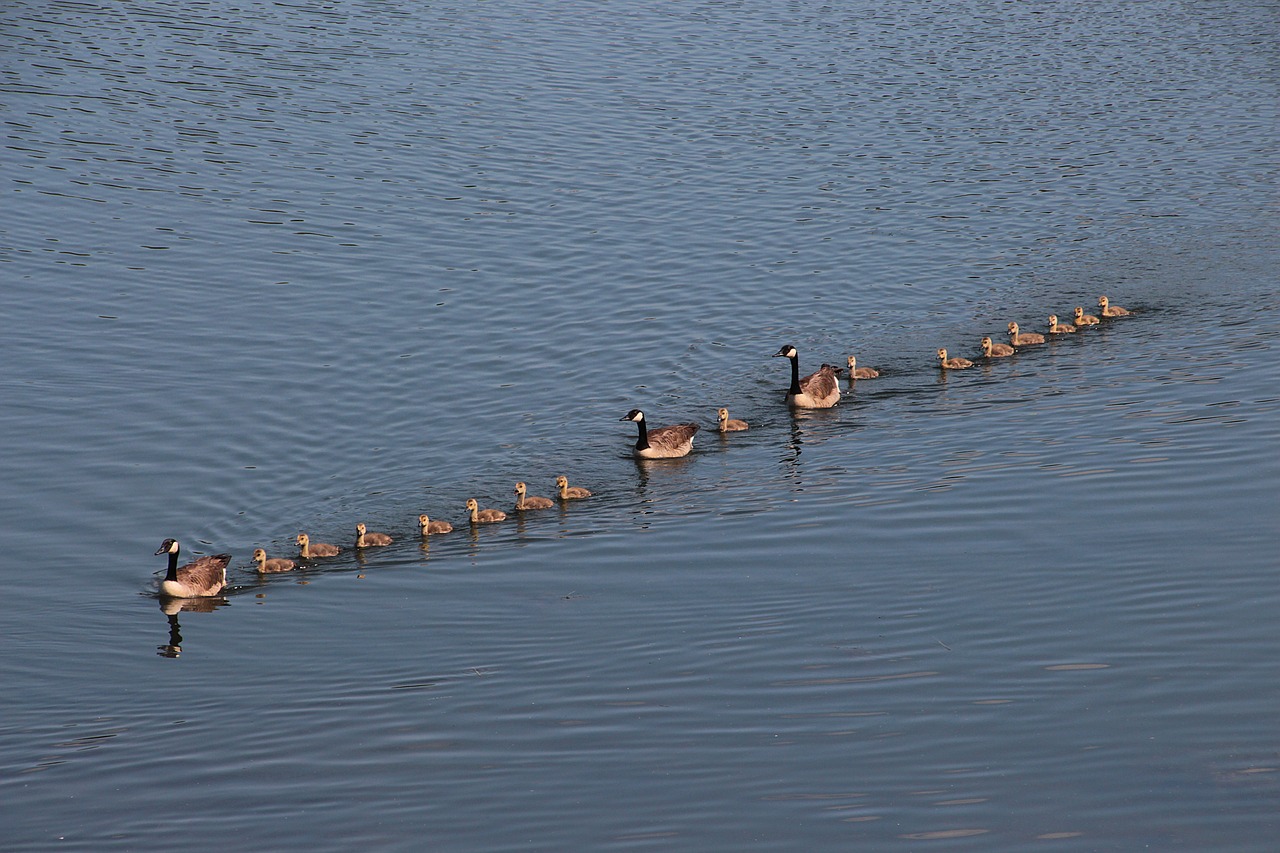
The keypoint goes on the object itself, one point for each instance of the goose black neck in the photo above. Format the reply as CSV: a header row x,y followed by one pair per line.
x,y
643,441
795,375
172,574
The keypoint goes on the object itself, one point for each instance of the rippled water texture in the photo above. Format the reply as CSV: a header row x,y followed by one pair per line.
x,y
273,268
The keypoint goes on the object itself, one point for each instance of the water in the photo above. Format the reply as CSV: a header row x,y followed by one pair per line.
x,y
278,268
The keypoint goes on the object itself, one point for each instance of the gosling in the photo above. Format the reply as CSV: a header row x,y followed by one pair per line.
x,y
1109,310
365,539
991,349
1024,339
308,549
200,578
956,363
524,501
1083,319
429,527
726,424
484,516
856,372
1056,328
276,564
570,493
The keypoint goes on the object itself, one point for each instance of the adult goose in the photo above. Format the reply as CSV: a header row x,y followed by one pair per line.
x,y
666,442
202,577
819,390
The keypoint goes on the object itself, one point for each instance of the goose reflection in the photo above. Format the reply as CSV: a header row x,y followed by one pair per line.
x,y
171,607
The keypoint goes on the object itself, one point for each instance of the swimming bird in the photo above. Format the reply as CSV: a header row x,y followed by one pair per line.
x,y
667,442
1109,310
201,577
726,424
484,516
817,390
570,493
856,372
365,539
1022,340
994,350
1056,328
956,363
427,526
1083,319
308,549
523,501
277,564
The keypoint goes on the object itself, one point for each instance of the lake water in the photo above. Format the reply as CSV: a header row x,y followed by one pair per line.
x,y
273,267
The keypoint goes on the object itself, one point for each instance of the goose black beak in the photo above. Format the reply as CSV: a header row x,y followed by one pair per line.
x,y
160,551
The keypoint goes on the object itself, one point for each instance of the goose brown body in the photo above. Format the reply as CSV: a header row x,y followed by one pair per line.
x,y
990,349
365,539
1025,338
666,442
1083,319
525,501
1056,328
570,493
1109,310
724,423
202,577
276,564
428,527
856,372
820,390
484,516
955,363
308,549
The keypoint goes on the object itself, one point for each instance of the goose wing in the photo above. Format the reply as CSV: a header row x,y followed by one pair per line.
x,y
207,574
676,435
821,385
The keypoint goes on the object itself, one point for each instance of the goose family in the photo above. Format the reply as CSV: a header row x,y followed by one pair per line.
x,y
206,576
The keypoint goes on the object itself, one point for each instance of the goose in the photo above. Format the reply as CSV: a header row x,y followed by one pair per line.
x,y
197,579
666,442
1109,310
308,549
817,390
278,564
483,516
570,493
428,526
365,539
1022,340
856,372
1056,328
726,424
1083,319
524,502
994,350
956,363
